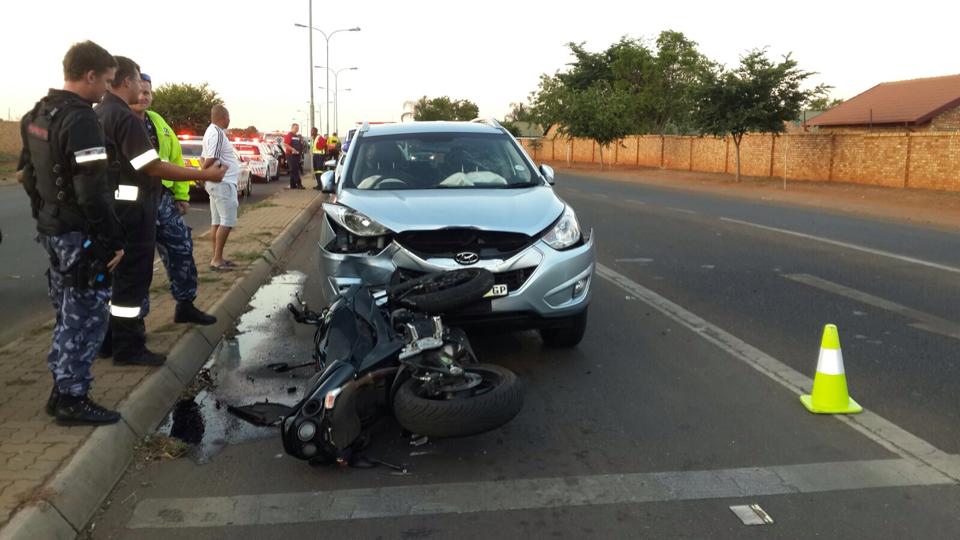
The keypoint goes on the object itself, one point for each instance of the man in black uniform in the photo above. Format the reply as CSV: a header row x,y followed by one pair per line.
x,y
136,170
63,167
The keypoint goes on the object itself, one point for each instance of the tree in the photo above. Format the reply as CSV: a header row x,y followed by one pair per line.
x,y
186,107
672,77
443,108
659,84
823,103
759,95
518,113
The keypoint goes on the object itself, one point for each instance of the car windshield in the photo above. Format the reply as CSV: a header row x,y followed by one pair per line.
x,y
191,149
438,161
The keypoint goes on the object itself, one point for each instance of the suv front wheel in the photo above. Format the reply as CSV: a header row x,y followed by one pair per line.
x,y
567,334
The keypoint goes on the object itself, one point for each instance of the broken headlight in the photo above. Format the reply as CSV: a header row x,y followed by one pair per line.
x,y
355,232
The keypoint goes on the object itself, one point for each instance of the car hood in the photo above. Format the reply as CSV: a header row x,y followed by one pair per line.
x,y
527,211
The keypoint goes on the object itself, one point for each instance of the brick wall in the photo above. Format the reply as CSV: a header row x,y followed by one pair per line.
x,y
947,121
927,160
9,138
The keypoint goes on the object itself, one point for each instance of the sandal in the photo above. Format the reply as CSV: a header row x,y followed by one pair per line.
x,y
228,264
222,267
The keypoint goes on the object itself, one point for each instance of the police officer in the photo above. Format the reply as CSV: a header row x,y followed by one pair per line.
x,y
136,168
174,241
63,168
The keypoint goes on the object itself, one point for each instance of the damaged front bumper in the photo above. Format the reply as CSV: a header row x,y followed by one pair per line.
x,y
541,282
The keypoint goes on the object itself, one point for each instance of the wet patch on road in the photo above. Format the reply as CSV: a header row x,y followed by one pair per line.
x,y
238,374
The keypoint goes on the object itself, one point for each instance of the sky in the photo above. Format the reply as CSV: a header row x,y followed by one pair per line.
x,y
491,52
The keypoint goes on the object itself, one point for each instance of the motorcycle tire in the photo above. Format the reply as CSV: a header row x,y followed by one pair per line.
x,y
442,292
464,416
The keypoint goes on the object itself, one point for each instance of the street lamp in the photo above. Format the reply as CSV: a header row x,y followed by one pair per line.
x,y
327,38
336,106
336,86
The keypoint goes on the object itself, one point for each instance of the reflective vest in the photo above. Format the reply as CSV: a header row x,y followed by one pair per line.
x,y
170,152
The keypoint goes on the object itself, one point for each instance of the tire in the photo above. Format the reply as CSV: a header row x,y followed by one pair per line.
x,y
568,335
441,292
460,417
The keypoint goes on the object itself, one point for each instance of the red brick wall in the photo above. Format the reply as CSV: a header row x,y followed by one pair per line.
x,y
928,160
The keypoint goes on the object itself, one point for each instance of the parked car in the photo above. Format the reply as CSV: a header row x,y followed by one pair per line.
x,y
421,197
264,167
192,148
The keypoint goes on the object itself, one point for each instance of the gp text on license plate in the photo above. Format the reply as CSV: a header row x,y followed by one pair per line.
x,y
497,290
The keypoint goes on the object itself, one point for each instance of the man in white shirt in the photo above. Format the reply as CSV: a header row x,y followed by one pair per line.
x,y
223,194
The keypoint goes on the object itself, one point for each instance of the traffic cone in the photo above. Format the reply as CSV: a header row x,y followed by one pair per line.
x,y
829,394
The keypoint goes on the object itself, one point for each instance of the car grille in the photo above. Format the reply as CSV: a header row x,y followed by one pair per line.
x,y
514,279
447,243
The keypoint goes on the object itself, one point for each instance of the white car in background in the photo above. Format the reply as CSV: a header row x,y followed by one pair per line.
x,y
264,167
191,147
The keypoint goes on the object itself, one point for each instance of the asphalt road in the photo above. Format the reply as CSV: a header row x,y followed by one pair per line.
x,y
23,284
673,408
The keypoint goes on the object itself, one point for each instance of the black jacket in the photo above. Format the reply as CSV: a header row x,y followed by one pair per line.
x,y
64,162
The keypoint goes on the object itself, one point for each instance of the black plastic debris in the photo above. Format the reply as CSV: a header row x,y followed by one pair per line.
x,y
263,413
188,424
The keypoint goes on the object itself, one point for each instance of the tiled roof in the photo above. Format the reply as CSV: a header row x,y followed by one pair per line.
x,y
911,102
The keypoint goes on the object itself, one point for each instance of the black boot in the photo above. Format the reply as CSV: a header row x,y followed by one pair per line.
x,y
144,357
52,401
82,411
186,312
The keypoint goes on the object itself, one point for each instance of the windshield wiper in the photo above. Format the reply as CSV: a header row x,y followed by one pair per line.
x,y
521,185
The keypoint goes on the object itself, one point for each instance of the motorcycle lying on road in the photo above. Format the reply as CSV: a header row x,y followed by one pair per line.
x,y
383,351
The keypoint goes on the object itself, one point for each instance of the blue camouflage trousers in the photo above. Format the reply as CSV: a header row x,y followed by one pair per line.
x,y
83,316
175,246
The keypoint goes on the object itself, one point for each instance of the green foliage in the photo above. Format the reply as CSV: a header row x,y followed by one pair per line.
x,y
823,103
186,107
650,90
758,96
444,108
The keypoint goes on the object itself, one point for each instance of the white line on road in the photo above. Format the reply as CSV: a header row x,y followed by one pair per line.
x,y
925,321
870,424
525,494
681,210
856,247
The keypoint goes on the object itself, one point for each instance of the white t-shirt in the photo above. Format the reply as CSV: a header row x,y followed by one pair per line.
x,y
217,145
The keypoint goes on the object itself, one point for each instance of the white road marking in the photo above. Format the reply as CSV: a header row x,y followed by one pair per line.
x,y
635,201
925,321
873,426
681,210
847,245
641,260
532,493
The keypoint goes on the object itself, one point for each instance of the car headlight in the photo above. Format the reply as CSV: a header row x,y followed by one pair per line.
x,y
354,221
565,233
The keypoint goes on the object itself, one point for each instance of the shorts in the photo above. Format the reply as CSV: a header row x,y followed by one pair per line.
x,y
223,203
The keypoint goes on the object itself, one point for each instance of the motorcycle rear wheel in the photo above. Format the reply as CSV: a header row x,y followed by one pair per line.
x,y
492,404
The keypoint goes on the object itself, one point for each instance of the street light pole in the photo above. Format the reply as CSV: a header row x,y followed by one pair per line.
x,y
310,22
336,88
327,38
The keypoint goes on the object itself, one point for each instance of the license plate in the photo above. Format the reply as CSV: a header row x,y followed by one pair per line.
x,y
497,290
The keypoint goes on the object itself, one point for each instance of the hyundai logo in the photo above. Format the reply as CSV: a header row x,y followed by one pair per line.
x,y
467,257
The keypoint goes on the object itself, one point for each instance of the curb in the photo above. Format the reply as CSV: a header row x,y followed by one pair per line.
x,y
81,485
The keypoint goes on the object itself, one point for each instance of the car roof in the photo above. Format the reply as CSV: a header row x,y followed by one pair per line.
x,y
430,127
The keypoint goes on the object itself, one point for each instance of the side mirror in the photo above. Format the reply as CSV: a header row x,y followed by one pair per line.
x,y
547,172
327,183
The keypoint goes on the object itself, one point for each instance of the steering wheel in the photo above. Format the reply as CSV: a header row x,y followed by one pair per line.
x,y
388,179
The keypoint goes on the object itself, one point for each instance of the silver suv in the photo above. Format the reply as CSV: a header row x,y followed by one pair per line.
x,y
421,197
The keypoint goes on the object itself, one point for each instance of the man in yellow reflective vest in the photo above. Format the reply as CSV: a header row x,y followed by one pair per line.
x,y
174,241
